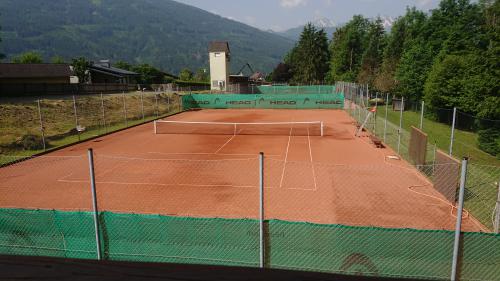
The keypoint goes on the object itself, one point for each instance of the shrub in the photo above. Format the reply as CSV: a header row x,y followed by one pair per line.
x,y
489,141
30,142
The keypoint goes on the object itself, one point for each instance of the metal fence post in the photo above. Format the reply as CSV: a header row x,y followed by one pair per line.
x,y
261,209
375,114
76,117
94,203
169,108
458,227
103,115
422,115
41,125
452,137
142,105
496,224
386,112
156,106
125,109
360,99
402,105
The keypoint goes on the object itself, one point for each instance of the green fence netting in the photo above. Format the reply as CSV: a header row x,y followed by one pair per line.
x,y
315,101
289,245
285,89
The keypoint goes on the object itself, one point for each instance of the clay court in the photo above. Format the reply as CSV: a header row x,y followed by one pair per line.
x,y
335,178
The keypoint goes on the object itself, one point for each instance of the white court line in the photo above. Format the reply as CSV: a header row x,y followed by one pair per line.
x,y
286,157
220,148
230,139
163,184
312,162
211,153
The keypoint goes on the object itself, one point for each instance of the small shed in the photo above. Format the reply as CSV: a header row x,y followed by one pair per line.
x,y
103,72
397,104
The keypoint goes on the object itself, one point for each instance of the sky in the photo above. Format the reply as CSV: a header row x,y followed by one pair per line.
x,y
279,15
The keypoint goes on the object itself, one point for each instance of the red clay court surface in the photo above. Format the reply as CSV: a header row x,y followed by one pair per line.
x,y
334,179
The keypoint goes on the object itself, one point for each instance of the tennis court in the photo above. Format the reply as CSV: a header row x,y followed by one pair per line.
x,y
205,164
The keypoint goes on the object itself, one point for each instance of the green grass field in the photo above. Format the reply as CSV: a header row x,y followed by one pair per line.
x,y
483,170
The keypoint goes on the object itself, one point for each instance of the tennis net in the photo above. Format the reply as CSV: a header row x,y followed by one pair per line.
x,y
313,128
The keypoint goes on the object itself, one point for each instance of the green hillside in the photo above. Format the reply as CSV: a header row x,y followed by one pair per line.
x,y
164,33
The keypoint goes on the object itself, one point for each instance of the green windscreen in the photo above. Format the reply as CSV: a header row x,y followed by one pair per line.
x,y
283,101
235,242
285,89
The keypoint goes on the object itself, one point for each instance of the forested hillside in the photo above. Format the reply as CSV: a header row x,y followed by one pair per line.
x,y
164,33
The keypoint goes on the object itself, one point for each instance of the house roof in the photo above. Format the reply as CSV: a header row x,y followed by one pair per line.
x,y
257,75
218,46
112,70
34,70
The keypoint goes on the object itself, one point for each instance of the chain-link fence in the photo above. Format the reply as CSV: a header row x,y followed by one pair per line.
x,y
387,220
447,129
33,125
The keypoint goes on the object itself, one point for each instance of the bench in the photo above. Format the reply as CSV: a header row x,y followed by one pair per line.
x,y
377,142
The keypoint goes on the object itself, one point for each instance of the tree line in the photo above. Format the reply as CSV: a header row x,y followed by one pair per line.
x,y
148,74
449,57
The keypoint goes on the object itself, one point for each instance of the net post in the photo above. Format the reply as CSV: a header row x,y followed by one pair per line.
x,y
261,210
94,203
458,226
452,137
41,124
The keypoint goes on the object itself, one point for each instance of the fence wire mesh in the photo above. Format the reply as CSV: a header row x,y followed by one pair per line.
x,y
393,126
33,125
376,220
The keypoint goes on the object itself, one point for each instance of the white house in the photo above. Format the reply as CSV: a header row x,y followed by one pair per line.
x,y
220,56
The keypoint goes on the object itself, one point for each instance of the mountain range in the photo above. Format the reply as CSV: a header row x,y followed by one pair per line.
x,y
328,25
164,33
323,23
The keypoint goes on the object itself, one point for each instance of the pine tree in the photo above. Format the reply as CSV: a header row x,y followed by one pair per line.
x,y
347,48
404,30
308,60
373,54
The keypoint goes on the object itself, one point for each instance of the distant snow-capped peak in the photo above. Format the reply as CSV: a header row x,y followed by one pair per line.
x,y
387,21
324,23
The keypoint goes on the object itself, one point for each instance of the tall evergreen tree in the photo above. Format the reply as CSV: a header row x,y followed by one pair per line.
x,y
347,48
404,30
309,58
373,54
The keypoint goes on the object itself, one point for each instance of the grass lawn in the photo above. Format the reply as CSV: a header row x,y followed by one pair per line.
x,y
20,117
483,171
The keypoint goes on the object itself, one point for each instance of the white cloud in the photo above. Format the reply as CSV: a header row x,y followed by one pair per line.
x,y
423,3
292,3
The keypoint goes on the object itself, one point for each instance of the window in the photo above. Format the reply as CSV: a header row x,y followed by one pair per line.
x,y
217,55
